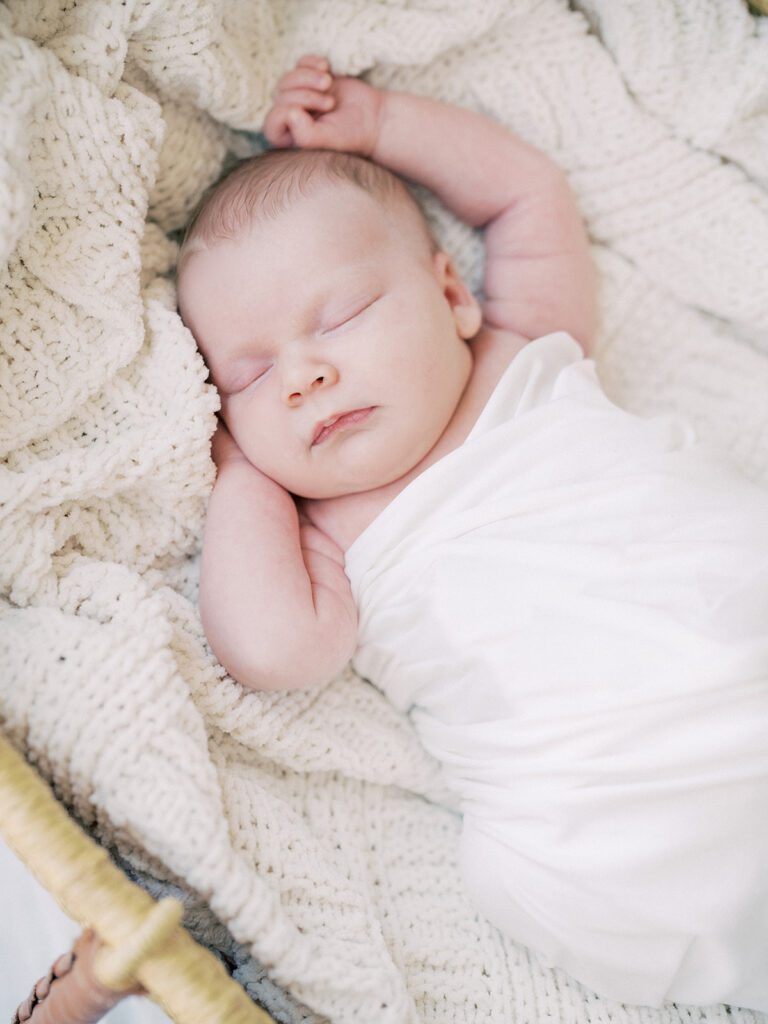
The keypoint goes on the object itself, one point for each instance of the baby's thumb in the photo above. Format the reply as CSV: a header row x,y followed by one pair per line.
x,y
303,127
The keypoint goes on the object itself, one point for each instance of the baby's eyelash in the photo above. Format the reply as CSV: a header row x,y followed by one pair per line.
x,y
238,388
352,316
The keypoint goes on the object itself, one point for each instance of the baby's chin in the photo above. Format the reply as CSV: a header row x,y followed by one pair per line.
x,y
367,464
337,489
370,479
320,486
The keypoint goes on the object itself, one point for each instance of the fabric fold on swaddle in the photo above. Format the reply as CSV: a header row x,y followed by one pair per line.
x,y
572,606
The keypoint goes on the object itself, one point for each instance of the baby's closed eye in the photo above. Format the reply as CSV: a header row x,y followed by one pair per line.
x,y
235,382
344,317
252,370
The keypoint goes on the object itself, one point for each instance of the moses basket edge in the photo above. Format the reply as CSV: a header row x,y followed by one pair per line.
x,y
135,941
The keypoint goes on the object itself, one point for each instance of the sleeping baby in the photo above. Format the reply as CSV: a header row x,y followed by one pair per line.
x,y
570,601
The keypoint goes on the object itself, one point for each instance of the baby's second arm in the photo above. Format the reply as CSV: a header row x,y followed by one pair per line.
x,y
539,275
274,600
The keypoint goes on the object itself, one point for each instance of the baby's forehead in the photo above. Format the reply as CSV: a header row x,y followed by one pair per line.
x,y
345,204
333,225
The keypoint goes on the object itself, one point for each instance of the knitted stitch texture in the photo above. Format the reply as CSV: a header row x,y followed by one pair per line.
x,y
313,824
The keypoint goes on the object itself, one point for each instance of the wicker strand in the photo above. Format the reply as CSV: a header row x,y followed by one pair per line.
x,y
116,968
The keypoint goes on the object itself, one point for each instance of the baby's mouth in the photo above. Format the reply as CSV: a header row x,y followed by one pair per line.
x,y
342,421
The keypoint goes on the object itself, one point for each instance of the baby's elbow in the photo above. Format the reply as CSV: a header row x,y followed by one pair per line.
x,y
321,662
291,652
307,676
291,668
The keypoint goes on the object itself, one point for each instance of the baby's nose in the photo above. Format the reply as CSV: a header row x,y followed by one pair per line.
x,y
299,387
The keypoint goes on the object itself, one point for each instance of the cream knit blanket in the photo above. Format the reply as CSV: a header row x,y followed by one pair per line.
x,y
312,823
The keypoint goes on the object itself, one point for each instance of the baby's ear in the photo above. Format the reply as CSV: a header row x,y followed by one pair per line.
x,y
468,320
465,308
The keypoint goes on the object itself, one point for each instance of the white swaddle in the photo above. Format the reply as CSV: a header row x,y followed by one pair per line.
x,y
573,608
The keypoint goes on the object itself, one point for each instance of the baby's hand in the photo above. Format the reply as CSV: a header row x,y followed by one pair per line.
x,y
346,111
224,448
226,453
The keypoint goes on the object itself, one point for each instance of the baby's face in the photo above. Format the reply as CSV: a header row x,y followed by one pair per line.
x,y
326,310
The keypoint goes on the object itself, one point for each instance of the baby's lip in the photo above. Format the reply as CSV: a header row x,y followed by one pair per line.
x,y
350,416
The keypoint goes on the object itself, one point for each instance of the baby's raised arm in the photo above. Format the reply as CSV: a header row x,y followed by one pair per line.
x,y
539,275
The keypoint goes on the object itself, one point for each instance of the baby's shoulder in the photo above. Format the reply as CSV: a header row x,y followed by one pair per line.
x,y
493,349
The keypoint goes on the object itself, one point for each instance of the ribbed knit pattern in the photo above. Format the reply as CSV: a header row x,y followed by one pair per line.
x,y
313,824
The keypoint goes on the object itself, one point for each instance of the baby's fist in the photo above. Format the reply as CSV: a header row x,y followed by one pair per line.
x,y
224,448
315,109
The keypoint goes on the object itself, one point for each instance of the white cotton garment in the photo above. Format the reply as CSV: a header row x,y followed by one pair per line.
x,y
573,608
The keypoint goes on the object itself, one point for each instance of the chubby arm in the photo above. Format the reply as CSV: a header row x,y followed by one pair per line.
x,y
539,275
275,602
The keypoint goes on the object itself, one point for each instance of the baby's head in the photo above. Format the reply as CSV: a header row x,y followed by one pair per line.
x,y
313,287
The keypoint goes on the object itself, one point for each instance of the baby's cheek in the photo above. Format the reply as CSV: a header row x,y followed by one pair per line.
x,y
235,420
257,432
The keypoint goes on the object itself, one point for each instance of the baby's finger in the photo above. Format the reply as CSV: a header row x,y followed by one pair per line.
x,y
276,128
306,98
312,60
303,78
305,130
224,448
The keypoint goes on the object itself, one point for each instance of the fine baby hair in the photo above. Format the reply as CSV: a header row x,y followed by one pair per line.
x,y
262,187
